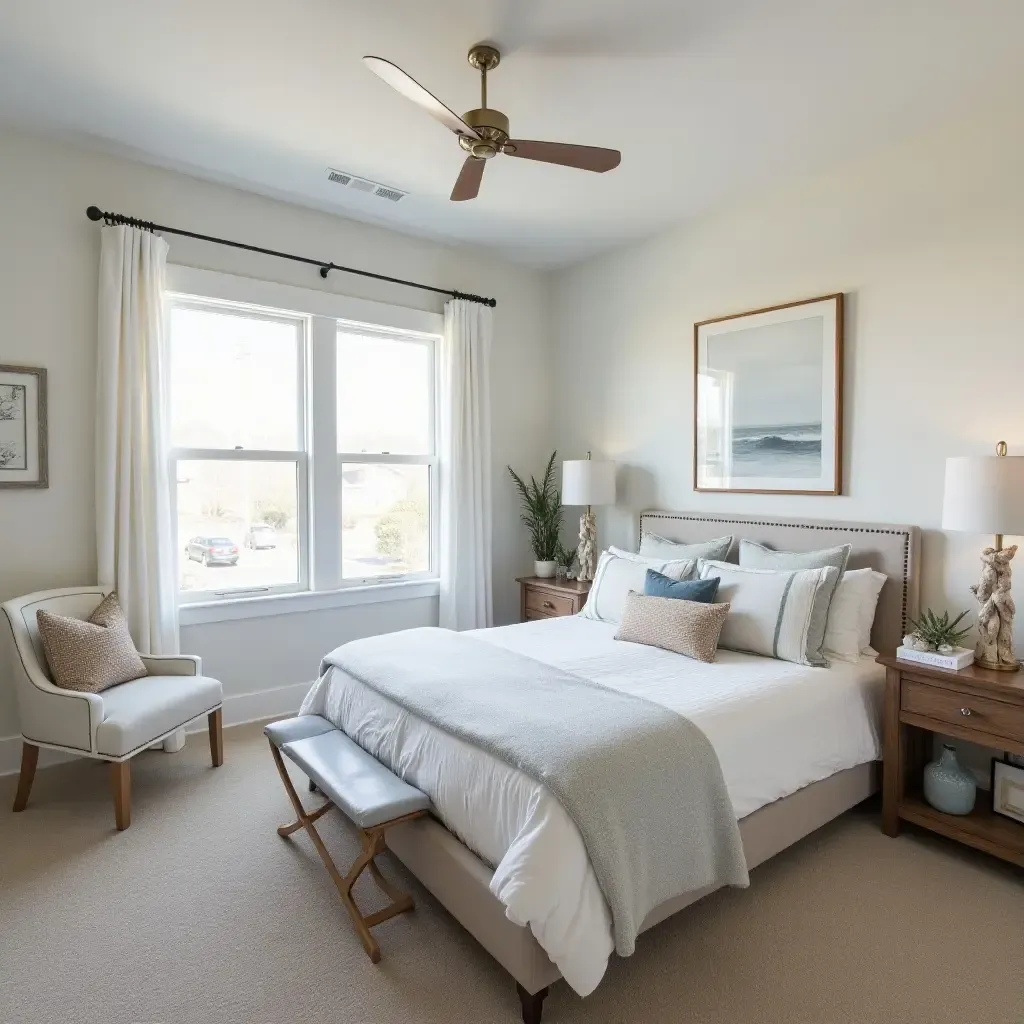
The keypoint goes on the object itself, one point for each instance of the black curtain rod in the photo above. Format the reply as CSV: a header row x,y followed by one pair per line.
x,y
95,213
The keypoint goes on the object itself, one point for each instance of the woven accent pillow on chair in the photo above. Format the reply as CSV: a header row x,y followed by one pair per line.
x,y
90,655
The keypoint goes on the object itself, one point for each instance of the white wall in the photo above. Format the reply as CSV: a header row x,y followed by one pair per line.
x,y
927,242
48,281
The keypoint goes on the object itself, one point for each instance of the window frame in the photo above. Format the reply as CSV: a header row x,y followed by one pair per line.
x,y
325,315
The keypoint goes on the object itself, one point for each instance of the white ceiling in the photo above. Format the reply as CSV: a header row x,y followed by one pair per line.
x,y
707,99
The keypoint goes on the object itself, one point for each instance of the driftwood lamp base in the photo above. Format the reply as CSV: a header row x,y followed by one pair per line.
x,y
995,610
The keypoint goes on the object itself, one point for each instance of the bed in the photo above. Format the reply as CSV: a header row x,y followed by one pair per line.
x,y
797,746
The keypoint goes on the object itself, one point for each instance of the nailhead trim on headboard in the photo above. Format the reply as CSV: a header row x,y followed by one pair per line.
x,y
681,517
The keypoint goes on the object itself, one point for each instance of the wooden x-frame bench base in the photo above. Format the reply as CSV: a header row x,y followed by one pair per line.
x,y
372,842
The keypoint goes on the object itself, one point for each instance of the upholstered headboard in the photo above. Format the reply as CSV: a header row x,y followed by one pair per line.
x,y
884,547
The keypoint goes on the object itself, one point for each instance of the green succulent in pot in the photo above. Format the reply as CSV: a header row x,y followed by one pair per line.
x,y
939,632
542,515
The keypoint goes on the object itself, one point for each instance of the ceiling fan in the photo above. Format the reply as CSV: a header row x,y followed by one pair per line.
x,y
483,133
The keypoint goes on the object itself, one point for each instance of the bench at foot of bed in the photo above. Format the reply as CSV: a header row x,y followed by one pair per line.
x,y
366,792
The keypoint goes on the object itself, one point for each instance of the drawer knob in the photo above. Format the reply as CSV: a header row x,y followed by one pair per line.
x,y
548,604
965,712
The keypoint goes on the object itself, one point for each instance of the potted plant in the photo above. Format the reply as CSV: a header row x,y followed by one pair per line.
x,y
565,559
542,515
935,633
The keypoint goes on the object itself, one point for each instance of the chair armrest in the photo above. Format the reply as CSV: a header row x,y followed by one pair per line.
x,y
173,664
51,714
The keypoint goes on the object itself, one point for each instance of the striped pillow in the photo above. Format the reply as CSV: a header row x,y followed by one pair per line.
x,y
775,613
619,572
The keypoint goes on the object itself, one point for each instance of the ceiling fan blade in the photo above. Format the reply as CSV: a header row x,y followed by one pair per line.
x,y
467,185
412,90
586,158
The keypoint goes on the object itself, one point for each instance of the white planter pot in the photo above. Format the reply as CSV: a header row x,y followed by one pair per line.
x,y
545,570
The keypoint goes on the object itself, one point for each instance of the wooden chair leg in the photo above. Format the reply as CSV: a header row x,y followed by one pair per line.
x,y
215,720
532,1004
29,760
121,784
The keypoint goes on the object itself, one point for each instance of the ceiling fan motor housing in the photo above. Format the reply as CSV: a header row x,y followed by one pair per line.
x,y
491,126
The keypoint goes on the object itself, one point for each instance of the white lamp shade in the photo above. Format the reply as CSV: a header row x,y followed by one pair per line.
x,y
984,494
588,482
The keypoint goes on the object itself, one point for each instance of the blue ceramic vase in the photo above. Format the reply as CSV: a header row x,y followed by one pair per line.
x,y
947,786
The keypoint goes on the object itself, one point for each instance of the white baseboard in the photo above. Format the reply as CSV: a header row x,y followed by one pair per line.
x,y
238,710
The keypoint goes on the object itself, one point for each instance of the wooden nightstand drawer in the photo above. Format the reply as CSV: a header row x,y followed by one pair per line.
x,y
548,599
540,602
962,709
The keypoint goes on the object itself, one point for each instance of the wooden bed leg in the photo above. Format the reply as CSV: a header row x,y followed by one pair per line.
x,y
533,1004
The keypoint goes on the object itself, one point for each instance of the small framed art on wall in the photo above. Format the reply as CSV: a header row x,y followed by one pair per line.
x,y
23,461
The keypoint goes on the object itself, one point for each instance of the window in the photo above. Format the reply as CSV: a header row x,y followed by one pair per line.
x,y
386,452
303,445
238,428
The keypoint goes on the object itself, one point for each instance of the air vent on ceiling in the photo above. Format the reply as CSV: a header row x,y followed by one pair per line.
x,y
374,188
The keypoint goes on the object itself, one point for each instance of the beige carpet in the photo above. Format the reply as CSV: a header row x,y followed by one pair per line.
x,y
200,914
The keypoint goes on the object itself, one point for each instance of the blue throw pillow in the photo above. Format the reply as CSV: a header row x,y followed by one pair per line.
x,y
657,584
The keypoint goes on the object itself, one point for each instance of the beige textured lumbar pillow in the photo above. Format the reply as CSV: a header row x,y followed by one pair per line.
x,y
685,627
90,655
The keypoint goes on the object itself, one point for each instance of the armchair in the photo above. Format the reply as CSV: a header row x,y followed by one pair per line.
x,y
113,725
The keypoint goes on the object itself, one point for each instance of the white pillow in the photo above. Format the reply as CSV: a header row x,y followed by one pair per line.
x,y
619,572
775,613
852,614
653,546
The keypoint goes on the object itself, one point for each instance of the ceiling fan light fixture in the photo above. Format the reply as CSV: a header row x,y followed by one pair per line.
x,y
483,133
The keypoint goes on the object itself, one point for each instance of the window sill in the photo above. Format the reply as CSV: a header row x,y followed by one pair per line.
x,y
265,606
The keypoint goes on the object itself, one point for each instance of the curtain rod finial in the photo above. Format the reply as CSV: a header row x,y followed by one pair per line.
x,y
94,213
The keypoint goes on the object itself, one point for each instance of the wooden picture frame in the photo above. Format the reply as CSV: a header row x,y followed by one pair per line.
x,y
768,399
23,427
1003,770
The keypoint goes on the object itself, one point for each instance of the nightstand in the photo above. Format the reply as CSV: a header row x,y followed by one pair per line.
x,y
549,598
973,704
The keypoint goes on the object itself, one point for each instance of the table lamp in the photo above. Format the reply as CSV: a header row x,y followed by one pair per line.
x,y
985,494
588,482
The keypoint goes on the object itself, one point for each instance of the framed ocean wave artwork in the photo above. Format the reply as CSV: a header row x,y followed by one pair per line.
x,y
22,427
768,400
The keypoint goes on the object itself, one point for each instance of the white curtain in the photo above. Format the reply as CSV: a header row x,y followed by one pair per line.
x,y
466,600
134,536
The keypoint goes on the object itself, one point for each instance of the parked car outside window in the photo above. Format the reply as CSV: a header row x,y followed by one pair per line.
x,y
212,550
260,536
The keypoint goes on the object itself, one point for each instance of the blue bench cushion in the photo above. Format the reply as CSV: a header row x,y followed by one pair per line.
x,y
299,728
355,781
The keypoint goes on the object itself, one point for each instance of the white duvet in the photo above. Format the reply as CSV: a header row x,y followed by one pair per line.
x,y
776,727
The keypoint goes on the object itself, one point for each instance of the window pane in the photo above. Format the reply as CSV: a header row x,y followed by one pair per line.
x,y
234,380
385,519
383,395
237,524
